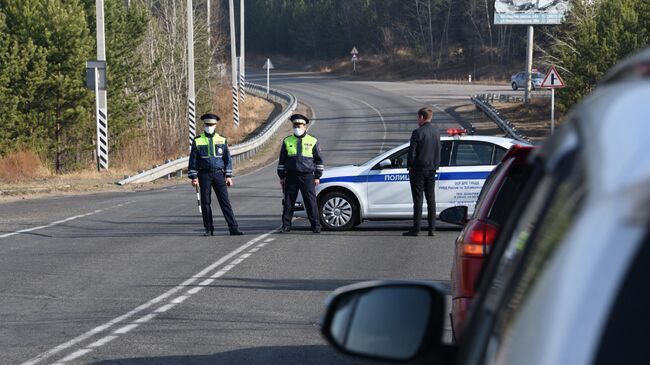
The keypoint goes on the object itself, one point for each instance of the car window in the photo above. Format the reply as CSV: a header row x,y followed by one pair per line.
x,y
530,249
398,160
445,153
495,177
498,154
508,194
626,331
469,153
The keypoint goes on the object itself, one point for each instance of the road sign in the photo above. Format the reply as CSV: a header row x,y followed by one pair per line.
x,y
268,66
552,79
354,51
354,58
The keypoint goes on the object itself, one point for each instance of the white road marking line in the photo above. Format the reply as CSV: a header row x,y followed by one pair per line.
x,y
245,256
165,308
219,274
75,355
125,329
180,299
147,318
194,290
172,291
228,267
206,282
236,262
269,240
59,222
253,250
102,341
262,245
383,122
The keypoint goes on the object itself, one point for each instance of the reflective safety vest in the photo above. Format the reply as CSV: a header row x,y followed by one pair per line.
x,y
307,148
206,150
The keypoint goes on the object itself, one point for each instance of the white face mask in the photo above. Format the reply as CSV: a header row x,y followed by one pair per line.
x,y
209,129
298,131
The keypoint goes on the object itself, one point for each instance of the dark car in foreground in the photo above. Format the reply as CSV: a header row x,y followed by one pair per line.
x,y
566,283
476,240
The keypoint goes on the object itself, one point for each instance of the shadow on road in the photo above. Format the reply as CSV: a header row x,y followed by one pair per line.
x,y
284,355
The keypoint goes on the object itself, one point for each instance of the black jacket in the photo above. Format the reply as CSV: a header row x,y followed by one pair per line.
x,y
424,151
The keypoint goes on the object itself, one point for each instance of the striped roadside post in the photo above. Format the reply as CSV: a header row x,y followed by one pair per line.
x,y
102,139
234,60
191,97
242,68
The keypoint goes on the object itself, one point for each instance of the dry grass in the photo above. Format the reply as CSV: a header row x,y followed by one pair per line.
x,y
21,166
22,174
253,112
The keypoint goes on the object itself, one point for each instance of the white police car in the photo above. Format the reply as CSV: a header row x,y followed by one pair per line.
x,y
379,189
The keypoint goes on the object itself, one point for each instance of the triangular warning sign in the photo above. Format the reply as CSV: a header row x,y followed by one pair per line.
x,y
552,79
268,65
354,51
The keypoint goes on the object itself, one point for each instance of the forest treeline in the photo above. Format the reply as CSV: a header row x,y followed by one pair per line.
x,y
44,46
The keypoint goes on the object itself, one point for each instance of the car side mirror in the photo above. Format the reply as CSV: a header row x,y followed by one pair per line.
x,y
386,320
455,215
385,164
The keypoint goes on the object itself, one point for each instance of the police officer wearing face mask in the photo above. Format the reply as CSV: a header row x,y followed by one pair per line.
x,y
210,168
300,168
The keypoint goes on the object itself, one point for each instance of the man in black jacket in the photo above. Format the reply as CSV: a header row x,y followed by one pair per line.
x,y
423,161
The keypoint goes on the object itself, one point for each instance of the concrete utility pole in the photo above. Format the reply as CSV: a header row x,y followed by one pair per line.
x,y
209,34
233,55
242,68
102,109
529,65
191,97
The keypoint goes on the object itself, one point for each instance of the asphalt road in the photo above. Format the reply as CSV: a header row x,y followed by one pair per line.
x,y
127,278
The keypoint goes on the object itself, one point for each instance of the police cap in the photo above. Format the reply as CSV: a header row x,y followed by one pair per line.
x,y
209,118
299,119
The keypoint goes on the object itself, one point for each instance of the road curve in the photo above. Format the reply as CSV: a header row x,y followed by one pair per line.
x,y
127,278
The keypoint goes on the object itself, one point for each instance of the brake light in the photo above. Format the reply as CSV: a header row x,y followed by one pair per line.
x,y
456,132
478,239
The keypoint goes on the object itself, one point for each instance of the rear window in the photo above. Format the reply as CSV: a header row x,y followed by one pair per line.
x,y
472,154
507,195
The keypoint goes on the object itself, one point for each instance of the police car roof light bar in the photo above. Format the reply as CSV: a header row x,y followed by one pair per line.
x,y
456,131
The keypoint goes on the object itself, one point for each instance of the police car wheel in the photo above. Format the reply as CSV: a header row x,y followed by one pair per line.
x,y
338,211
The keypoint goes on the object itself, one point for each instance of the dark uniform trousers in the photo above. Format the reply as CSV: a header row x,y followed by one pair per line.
x,y
216,180
304,182
423,181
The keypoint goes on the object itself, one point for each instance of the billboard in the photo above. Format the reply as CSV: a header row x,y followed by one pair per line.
x,y
530,12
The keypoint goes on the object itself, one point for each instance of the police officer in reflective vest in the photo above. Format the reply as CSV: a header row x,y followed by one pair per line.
x,y
300,168
210,168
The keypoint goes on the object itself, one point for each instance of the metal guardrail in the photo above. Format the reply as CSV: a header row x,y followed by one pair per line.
x,y
505,125
244,150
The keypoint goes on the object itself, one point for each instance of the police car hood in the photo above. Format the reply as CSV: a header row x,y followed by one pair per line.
x,y
340,171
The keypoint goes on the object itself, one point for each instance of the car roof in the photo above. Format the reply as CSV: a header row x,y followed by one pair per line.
x,y
613,124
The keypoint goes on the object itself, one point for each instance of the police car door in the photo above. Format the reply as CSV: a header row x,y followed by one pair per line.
x,y
389,191
461,181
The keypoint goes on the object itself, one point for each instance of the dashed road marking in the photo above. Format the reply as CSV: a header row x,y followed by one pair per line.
x,y
56,223
160,299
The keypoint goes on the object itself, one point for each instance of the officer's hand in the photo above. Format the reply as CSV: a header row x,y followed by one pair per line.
x,y
316,181
195,182
282,183
228,181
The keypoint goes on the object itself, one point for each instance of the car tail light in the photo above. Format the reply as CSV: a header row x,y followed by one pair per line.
x,y
478,239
